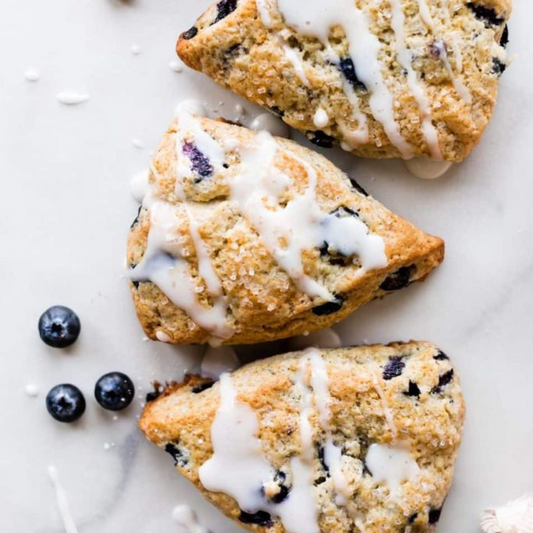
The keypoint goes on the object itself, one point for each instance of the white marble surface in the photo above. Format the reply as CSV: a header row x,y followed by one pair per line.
x,y
65,213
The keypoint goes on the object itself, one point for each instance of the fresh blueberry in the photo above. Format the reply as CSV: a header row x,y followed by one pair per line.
x,y
329,307
400,279
441,356
393,368
225,8
498,67
347,67
357,187
260,518
320,139
114,391
59,326
190,33
486,14
177,454
446,378
200,163
65,403
434,515
413,391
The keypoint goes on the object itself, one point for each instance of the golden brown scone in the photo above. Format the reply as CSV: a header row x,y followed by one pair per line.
x,y
230,278
394,77
403,399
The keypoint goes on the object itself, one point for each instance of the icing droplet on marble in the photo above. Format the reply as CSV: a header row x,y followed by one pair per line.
x,y
392,464
31,390
217,361
62,502
136,49
175,66
427,169
271,124
137,143
32,74
72,98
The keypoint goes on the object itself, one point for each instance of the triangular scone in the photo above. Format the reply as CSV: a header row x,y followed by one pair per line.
x,y
334,441
244,238
386,78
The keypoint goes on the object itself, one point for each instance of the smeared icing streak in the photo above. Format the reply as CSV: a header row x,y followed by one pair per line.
x,y
405,58
62,502
239,468
317,19
458,84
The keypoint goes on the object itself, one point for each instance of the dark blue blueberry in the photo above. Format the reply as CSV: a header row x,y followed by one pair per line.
x,y
320,139
446,378
486,14
200,163
177,454
65,403
357,187
136,221
504,41
413,517
190,33
154,395
203,386
114,391
413,390
441,356
260,518
322,459
434,515
329,307
400,279
498,68
393,368
347,67
59,326
224,8
319,480
344,211
283,493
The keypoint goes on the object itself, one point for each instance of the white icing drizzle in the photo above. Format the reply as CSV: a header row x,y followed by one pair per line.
x,y
217,361
321,118
69,98
264,7
317,19
392,464
186,520
62,502
513,517
404,56
427,169
386,409
294,59
271,124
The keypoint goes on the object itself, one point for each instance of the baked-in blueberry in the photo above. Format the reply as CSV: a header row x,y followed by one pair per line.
x,y
322,459
393,368
65,403
59,326
486,14
177,454
498,67
260,518
224,8
441,356
136,221
320,139
344,211
203,386
190,33
413,517
413,391
277,111
357,187
446,378
329,307
280,478
434,515
199,162
400,279
504,41
347,67
114,391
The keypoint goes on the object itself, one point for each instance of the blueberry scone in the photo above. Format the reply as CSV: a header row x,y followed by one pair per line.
x,y
244,238
382,78
345,440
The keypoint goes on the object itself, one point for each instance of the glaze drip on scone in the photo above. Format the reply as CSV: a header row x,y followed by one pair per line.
x,y
286,230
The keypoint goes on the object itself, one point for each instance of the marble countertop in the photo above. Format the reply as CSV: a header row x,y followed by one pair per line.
x,y
65,215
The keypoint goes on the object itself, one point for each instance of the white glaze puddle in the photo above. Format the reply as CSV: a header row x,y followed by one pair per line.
x,y
186,520
325,338
271,124
32,74
392,464
317,19
62,502
514,517
71,98
217,361
427,169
